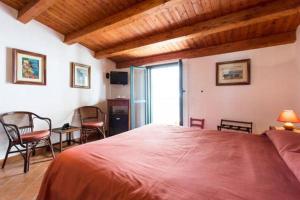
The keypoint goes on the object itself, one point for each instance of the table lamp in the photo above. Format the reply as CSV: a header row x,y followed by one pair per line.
x,y
288,117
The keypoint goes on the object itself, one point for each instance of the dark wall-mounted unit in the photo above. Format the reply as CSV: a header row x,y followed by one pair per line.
x,y
118,119
119,78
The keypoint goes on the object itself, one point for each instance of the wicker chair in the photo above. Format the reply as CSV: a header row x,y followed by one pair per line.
x,y
92,119
19,128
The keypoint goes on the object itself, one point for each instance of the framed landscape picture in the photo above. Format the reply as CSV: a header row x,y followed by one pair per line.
x,y
233,73
81,76
29,68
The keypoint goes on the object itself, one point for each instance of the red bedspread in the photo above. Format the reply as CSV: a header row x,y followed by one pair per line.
x,y
174,163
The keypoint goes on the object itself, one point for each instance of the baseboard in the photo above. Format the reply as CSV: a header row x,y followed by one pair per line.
x,y
40,151
18,157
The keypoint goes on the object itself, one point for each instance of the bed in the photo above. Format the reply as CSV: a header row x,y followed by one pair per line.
x,y
177,163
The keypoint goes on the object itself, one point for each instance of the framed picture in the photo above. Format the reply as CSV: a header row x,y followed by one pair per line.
x,y
81,76
233,73
29,68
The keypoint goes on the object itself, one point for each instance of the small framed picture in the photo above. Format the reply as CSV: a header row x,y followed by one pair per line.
x,y
233,73
29,68
81,76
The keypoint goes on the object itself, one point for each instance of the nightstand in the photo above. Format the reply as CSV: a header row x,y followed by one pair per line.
x,y
69,135
281,128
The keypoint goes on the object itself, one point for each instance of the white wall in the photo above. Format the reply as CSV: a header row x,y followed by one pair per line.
x,y
297,50
57,99
120,91
275,86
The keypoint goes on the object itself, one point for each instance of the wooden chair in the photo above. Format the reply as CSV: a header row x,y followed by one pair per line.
x,y
19,128
92,119
197,123
236,125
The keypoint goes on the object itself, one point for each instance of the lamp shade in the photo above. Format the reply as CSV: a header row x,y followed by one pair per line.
x,y
288,116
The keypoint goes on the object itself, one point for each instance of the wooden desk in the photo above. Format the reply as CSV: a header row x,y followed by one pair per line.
x,y
69,135
280,128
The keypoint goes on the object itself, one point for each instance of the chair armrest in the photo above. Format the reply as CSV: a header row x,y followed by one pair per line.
x,y
10,125
14,128
48,120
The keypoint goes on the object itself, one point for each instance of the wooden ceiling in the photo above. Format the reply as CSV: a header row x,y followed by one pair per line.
x,y
136,32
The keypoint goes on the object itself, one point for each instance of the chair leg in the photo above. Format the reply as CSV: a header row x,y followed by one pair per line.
x,y
26,160
101,131
85,137
51,147
33,151
6,155
81,135
98,131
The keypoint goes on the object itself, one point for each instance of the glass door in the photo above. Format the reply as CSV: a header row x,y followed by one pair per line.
x,y
139,96
166,93
156,94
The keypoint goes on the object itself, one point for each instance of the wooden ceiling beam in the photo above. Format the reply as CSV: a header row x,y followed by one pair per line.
x,y
267,41
33,9
254,15
127,16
